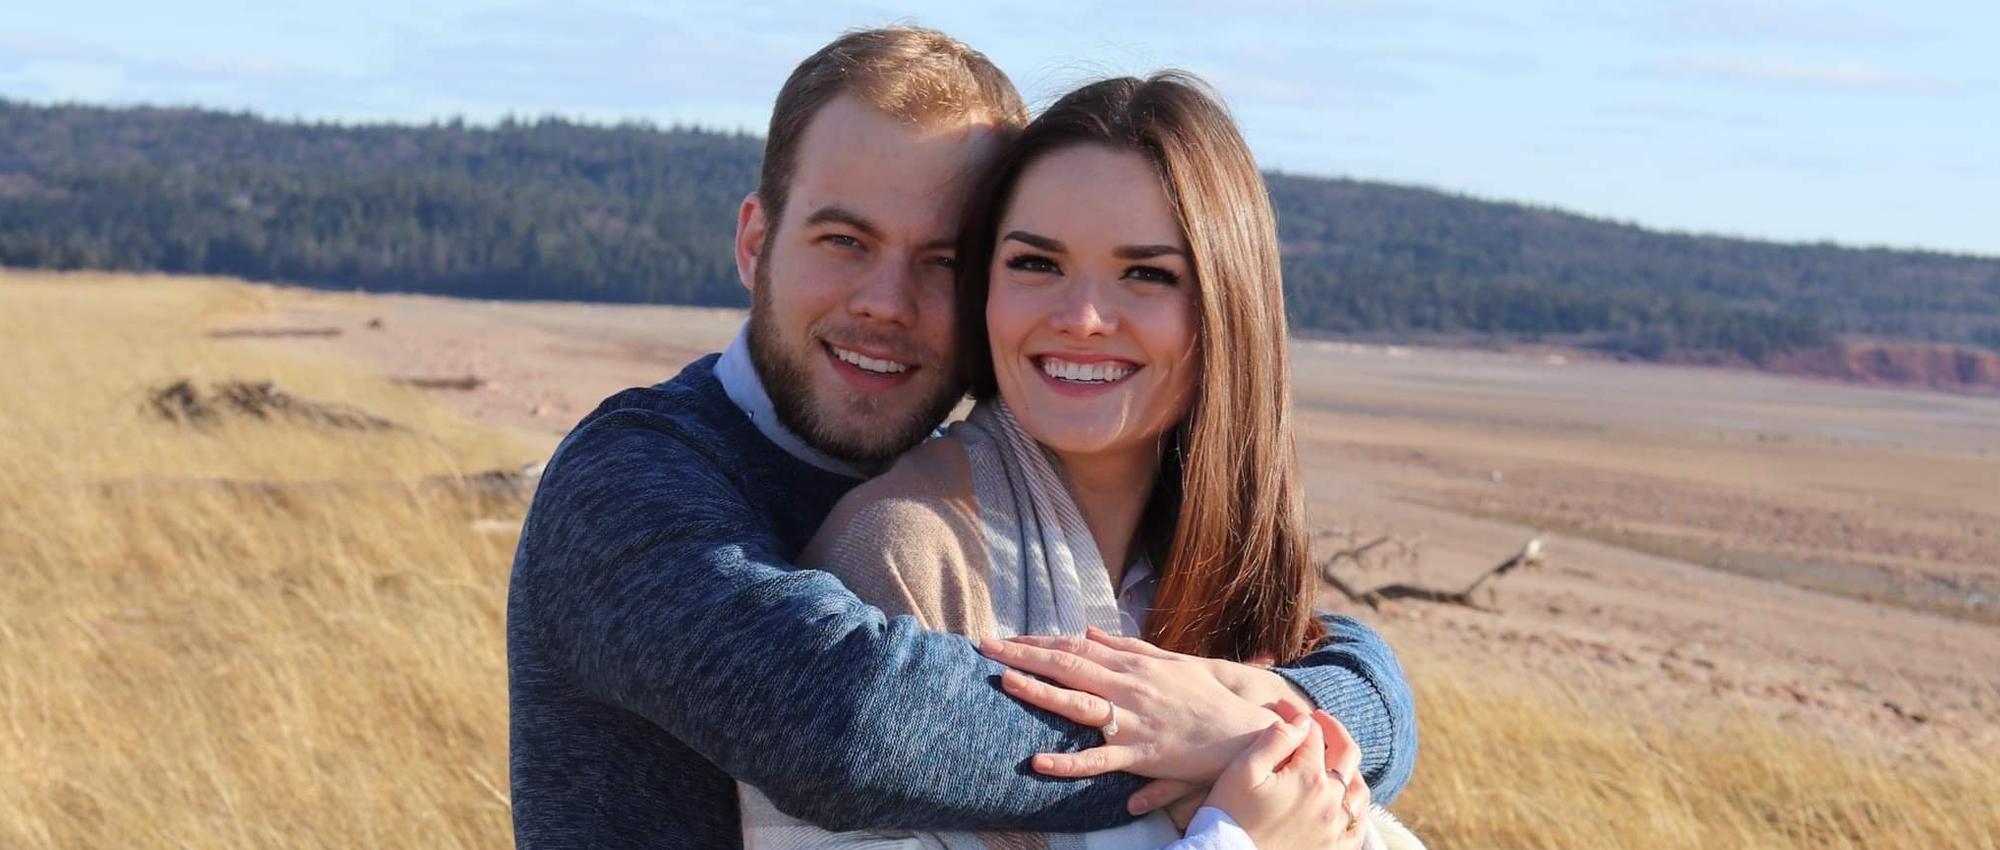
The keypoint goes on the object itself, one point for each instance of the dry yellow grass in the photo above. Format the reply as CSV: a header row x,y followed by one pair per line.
x,y
185,665
1518,764
188,666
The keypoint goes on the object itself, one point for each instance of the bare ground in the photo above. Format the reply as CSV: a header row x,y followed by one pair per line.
x,y
1822,553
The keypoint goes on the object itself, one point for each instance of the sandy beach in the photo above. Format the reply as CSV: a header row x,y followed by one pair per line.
x,y
1821,553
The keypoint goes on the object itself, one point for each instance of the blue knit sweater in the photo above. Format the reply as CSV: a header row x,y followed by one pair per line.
x,y
659,643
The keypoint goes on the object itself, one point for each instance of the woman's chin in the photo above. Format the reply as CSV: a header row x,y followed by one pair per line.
x,y
1072,441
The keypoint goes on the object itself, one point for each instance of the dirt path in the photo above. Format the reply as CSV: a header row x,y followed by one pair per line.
x,y
1713,537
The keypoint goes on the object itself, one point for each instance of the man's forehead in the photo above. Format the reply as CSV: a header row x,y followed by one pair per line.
x,y
897,173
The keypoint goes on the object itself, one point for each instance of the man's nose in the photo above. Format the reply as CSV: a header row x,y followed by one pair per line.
x,y
887,293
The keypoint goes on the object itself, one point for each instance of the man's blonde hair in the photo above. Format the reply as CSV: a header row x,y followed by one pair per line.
x,y
914,74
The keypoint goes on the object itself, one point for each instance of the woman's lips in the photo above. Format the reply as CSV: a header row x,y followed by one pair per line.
x,y
1083,376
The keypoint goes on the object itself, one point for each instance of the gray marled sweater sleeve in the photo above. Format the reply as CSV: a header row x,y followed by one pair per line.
x,y
656,588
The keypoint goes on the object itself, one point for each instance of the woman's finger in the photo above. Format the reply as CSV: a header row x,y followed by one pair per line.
x,y
1342,753
1076,644
1356,796
1289,712
1077,706
1310,756
1353,805
1182,811
1159,792
1095,761
1261,759
1133,645
1064,668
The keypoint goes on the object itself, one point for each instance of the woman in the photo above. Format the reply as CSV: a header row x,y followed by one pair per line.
x,y
1129,466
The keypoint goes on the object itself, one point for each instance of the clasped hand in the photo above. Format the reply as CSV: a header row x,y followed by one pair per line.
x,y
1181,719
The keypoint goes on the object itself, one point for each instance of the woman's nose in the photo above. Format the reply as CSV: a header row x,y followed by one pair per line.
x,y
1084,311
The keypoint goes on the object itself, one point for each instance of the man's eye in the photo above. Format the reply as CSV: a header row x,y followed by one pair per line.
x,y
1153,274
840,240
1034,264
946,263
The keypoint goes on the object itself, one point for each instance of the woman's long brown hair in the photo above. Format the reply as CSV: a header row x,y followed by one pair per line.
x,y
1237,581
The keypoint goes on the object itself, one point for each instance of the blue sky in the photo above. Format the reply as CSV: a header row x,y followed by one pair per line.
x,y
1864,123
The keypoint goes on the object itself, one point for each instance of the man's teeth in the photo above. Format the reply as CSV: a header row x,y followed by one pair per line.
x,y
1064,370
870,364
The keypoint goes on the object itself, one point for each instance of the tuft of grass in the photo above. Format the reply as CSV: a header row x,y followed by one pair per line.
x,y
1507,762
318,660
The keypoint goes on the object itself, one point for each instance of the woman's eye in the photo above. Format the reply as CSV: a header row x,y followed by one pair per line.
x,y
1153,274
1033,264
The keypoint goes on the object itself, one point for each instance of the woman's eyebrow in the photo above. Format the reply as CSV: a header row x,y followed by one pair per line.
x,y
1147,252
1042,242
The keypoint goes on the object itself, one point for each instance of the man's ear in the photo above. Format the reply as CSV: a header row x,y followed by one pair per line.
x,y
750,225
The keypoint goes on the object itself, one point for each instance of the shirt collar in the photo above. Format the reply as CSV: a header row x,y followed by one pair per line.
x,y
1139,570
740,381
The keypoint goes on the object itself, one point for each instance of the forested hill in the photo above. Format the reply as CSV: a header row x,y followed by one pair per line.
x,y
560,210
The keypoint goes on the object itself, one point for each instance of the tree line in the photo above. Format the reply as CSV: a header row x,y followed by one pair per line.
x,y
554,209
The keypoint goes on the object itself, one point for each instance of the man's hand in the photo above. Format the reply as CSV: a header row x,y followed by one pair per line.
x,y
1177,719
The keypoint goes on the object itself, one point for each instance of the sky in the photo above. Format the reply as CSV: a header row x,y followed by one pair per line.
x,y
1864,123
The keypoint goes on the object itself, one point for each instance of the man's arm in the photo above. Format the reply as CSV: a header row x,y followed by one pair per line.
x,y
1354,676
1352,673
645,576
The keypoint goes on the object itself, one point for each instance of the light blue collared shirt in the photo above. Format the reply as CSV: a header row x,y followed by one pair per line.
x,y
742,384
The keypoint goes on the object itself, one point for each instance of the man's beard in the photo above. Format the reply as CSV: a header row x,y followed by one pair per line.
x,y
787,377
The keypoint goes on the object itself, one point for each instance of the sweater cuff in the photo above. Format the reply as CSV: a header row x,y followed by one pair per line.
x,y
1354,677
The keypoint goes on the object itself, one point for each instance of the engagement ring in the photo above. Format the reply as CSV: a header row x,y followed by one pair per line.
x,y
1110,726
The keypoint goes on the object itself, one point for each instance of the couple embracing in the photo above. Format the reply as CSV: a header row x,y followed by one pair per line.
x,y
765,604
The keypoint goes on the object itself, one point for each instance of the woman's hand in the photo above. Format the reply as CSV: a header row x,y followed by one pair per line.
x,y
1297,786
1175,719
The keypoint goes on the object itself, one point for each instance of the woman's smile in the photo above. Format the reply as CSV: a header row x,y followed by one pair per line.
x,y
1083,374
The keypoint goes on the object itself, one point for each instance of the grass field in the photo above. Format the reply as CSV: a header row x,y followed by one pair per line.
x,y
276,633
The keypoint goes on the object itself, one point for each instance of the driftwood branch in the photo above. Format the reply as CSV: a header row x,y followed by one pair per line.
x,y
185,403
467,382
1529,556
239,333
515,486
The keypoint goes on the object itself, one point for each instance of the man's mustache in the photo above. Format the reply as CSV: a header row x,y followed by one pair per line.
x,y
876,344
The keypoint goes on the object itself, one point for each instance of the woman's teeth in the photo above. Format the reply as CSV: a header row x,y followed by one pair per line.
x,y
869,364
1085,373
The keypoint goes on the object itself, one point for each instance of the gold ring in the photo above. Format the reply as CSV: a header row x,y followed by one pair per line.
x,y
1353,818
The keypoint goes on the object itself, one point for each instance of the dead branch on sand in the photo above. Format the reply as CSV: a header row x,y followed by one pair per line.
x,y
466,383
1529,556
506,486
236,333
183,402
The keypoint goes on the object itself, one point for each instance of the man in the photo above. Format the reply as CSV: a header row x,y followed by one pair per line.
x,y
659,642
